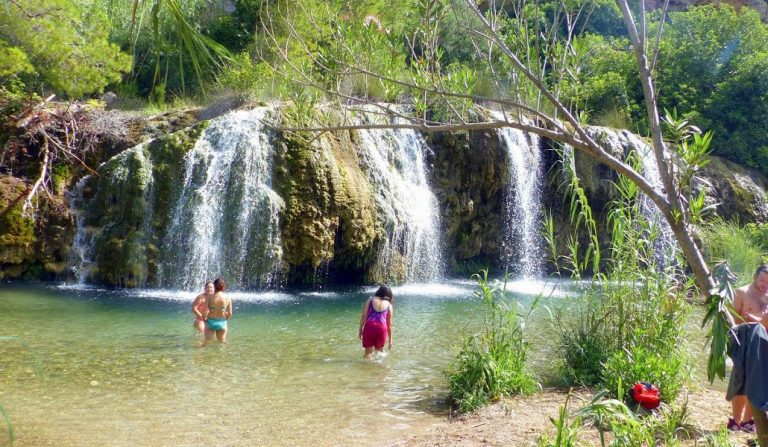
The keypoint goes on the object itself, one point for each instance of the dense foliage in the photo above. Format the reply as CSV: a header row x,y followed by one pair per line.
x,y
710,63
58,46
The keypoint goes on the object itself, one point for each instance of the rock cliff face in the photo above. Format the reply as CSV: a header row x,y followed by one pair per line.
x,y
329,219
469,174
735,192
335,220
30,248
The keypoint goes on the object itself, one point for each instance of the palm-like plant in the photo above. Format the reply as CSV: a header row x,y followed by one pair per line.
x,y
201,51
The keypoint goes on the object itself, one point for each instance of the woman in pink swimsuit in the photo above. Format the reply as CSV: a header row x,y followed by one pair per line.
x,y
376,321
200,306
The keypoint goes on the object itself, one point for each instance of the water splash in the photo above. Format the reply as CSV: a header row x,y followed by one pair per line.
x,y
225,222
394,162
522,242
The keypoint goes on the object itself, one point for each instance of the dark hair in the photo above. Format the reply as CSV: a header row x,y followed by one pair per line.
x,y
208,282
763,268
385,292
219,285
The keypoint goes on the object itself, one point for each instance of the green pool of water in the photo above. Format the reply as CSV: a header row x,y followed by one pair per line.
x,y
101,367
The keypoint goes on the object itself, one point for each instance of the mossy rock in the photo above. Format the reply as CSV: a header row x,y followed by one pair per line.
x,y
131,202
329,218
736,193
17,229
44,241
470,175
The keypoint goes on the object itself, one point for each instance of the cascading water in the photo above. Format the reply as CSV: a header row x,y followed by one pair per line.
x,y
225,222
394,160
521,242
665,245
81,254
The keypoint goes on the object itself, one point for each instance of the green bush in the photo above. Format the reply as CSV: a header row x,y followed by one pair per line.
x,y
492,363
667,426
585,339
241,74
758,233
627,326
737,111
65,45
712,63
645,364
740,246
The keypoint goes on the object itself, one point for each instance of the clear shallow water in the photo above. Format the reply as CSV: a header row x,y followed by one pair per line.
x,y
125,367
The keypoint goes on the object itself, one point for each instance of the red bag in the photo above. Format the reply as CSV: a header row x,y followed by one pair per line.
x,y
647,395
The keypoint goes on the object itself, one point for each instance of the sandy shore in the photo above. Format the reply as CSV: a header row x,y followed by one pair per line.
x,y
520,421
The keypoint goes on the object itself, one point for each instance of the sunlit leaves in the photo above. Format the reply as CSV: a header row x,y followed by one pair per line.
x,y
68,46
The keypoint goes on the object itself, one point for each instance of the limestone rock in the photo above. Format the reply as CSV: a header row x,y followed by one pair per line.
x,y
734,191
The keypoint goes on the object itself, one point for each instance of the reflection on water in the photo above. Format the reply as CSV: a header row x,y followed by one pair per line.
x,y
124,367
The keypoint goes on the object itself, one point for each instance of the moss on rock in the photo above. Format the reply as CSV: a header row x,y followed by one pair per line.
x,y
132,205
470,174
34,249
329,215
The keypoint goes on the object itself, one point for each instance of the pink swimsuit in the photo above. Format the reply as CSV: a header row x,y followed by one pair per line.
x,y
375,329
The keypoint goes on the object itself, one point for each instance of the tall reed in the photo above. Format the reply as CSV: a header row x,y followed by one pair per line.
x,y
491,363
626,325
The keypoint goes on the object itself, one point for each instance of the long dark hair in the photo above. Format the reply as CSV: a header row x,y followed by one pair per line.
x,y
385,293
219,285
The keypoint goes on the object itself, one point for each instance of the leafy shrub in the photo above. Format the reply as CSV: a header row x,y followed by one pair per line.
x,y
642,364
65,44
712,62
566,429
737,111
652,347
241,74
492,363
740,246
666,426
584,340
627,326
758,233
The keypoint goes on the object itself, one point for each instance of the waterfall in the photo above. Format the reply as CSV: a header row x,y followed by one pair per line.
x,y
81,255
225,221
521,242
394,162
664,245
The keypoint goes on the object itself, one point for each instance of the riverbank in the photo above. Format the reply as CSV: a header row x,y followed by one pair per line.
x,y
521,420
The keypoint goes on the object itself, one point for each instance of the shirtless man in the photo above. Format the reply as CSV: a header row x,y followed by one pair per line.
x,y
200,307
751,305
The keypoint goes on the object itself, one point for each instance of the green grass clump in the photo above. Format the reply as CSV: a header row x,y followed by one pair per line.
x,y
492,363
741,246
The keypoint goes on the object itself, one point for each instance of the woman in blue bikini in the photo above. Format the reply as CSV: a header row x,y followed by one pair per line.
x,y
219,311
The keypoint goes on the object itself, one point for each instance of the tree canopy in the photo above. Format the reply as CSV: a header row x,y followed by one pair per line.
x,y
58,46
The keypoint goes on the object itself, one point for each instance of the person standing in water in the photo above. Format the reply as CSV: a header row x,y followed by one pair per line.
x,y
218,312
376,321
199,306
